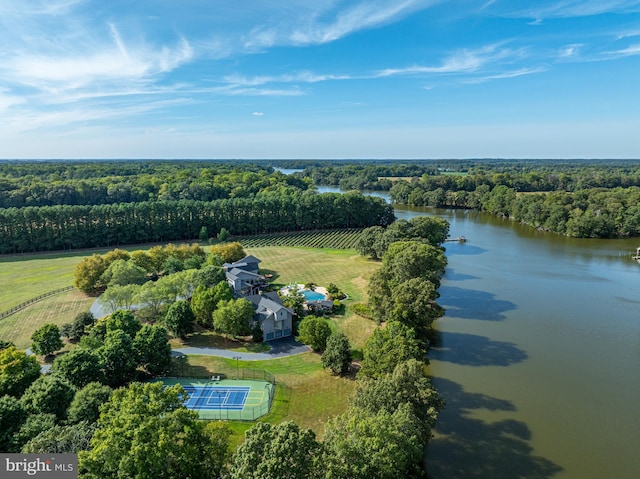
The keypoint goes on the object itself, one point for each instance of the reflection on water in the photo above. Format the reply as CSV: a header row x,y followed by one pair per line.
x,y
538,354
470,448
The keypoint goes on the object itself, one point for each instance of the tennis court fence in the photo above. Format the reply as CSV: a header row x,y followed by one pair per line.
x,y
249,412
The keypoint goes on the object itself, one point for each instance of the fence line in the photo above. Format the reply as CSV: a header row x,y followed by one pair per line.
x,y
17,308
248,413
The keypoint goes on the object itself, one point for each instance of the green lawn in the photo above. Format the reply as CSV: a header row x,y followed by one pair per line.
x,y
58,309
25,277
305,392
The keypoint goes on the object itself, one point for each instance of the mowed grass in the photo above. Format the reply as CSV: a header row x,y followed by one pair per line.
x,y
345,268
58,309
23,278
305,393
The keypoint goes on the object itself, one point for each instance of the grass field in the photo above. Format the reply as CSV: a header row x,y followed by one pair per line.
x,y
345,268
58,309
25,277
305,392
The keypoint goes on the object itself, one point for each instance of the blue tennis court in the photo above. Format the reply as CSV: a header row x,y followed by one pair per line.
x,y
216,397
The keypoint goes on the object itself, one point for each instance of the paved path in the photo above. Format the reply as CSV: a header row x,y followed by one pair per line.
x,y
280,348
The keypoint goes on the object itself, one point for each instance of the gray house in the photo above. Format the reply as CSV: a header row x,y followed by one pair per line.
x,y
248,263
244,283
275,319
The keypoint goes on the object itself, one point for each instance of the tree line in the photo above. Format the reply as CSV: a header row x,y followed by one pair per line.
x,y
389,421
69,227
589,213
52,183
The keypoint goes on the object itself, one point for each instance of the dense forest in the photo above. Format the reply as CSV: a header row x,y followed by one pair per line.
x,y
57,205
598,199
67,205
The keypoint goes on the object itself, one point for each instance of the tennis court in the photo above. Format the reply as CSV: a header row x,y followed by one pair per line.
x,y
226,398
216,397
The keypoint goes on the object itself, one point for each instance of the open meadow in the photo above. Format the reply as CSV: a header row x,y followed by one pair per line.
x,y
26,276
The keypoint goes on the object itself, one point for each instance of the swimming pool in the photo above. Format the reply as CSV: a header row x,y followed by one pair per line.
x,y
313,296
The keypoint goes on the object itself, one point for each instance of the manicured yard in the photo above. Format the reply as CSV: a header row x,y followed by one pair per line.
x,y
306,393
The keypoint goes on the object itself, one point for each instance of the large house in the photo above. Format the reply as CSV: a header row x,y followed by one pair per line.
x,y
275,319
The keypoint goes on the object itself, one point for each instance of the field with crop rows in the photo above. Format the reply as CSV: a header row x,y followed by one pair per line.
x,y
334,239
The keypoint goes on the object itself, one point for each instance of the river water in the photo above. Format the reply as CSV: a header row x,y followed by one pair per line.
x,y
537,356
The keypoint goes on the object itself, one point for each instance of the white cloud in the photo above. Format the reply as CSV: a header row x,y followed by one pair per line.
x,y
508,74
569,8
460,62
361,16
631,50
257,113
570,51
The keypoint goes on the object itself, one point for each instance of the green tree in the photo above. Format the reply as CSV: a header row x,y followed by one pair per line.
x,y
86,276
405,260
180,319
12,416
172,265
209,275
34,425
87,401
119,297
337,355
125,321
204,234
17,371
229,252
203,303
361,445
48,395
122,272
153,296
406,384
223,235
414,304
153,350
76,329
79,367
69,439
387,347
5,344
234,317
144,431
314,331
295,300
277,451
118,358
142,259
46,340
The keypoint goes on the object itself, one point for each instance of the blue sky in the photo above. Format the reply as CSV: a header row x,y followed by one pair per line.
x,y
319,79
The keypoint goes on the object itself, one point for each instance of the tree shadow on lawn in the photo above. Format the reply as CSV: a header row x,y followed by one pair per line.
x,y
473,304
470,448
472,350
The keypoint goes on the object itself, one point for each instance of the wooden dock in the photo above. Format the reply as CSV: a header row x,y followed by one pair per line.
x,y
459,239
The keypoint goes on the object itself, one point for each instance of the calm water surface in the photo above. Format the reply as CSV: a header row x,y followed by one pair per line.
x,y
538,355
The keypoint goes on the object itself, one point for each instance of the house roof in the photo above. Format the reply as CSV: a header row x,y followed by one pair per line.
x,y
267,302
250,261
237,273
